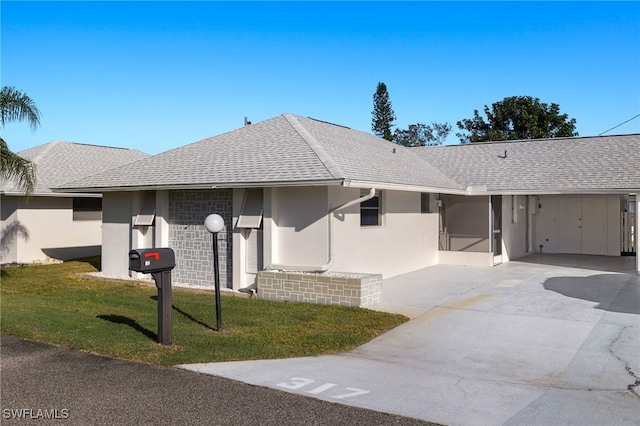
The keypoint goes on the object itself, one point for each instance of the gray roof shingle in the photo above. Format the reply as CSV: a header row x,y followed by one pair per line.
x,y
286,149
59,162
364,157
543,165
293,150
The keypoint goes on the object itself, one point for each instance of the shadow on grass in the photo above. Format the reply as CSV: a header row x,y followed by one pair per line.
x,y
197,321
119,319
188,316
95,261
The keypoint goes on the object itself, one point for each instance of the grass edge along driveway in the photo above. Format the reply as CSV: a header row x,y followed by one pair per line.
x,y
52,304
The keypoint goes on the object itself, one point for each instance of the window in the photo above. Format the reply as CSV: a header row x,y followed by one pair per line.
x,y
87,208
370,211
425,206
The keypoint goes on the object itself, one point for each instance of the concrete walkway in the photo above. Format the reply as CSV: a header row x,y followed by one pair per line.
x,y
546,340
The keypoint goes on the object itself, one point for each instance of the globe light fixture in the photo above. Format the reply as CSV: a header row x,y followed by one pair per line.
x,y
214,223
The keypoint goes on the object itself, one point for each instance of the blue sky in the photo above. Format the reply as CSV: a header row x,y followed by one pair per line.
x,y
158,75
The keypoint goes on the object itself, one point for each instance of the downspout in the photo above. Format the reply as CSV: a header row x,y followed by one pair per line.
x,y
326,266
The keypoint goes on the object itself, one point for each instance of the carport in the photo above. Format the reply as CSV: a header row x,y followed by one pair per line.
x,y
492,229
558,195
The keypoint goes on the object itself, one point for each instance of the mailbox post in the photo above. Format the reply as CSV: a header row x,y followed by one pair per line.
x,y
158,262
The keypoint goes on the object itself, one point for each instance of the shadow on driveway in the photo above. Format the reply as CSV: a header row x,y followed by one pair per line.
x,y
597,288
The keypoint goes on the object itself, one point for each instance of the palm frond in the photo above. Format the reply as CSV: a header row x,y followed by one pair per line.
x,y
17,106
17,169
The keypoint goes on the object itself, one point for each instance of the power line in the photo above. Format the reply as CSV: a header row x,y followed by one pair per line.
x,y
635,116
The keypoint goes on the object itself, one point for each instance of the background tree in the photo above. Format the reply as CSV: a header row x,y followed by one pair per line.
x,y
422,134
516,118
17,106
382,115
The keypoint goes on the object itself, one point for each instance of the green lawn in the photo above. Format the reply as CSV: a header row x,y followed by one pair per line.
x,y
50,303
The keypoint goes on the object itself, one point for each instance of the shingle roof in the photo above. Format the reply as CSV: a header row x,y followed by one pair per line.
x,y
362,156
543,165
286,149
60,162
293,150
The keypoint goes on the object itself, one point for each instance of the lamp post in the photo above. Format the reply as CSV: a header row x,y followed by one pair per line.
x,y
214,224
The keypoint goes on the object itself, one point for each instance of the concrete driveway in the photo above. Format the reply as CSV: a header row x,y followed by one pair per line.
x,y
545,340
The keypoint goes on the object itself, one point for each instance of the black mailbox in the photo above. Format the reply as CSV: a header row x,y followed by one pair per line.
x,y
152,260
158,262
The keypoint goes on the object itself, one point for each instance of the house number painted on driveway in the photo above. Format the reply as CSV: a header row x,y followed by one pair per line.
x,y
296,383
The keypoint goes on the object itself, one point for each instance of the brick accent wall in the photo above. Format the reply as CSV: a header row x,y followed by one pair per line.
x,y
192,243
337,289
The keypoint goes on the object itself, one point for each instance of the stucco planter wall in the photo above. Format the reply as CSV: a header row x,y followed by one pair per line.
x,y
361,290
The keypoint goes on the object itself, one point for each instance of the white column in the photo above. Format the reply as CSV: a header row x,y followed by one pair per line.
x,y
162,219
238,246
116,233
137,239
269,235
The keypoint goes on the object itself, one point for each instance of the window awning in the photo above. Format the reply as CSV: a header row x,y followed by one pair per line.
x,y
147,212
251,213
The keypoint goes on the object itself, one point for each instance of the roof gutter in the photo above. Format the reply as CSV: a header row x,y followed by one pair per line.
x,y
326,266
566,191
52,194
400,187
265,184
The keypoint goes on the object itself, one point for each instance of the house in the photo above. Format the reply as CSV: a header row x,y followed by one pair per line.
x,y
48,225
300,194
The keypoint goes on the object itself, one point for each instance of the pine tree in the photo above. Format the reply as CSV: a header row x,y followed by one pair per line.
x,y
382,115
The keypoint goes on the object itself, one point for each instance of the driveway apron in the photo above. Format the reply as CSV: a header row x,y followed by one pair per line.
x,y
546,340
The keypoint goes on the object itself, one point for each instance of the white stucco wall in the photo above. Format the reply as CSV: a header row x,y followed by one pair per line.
x,y
300,226
614,237
296,231
238,243
546,224
49,231
270,236
116,233
10,229
406,241
161,222
465,258
514,227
